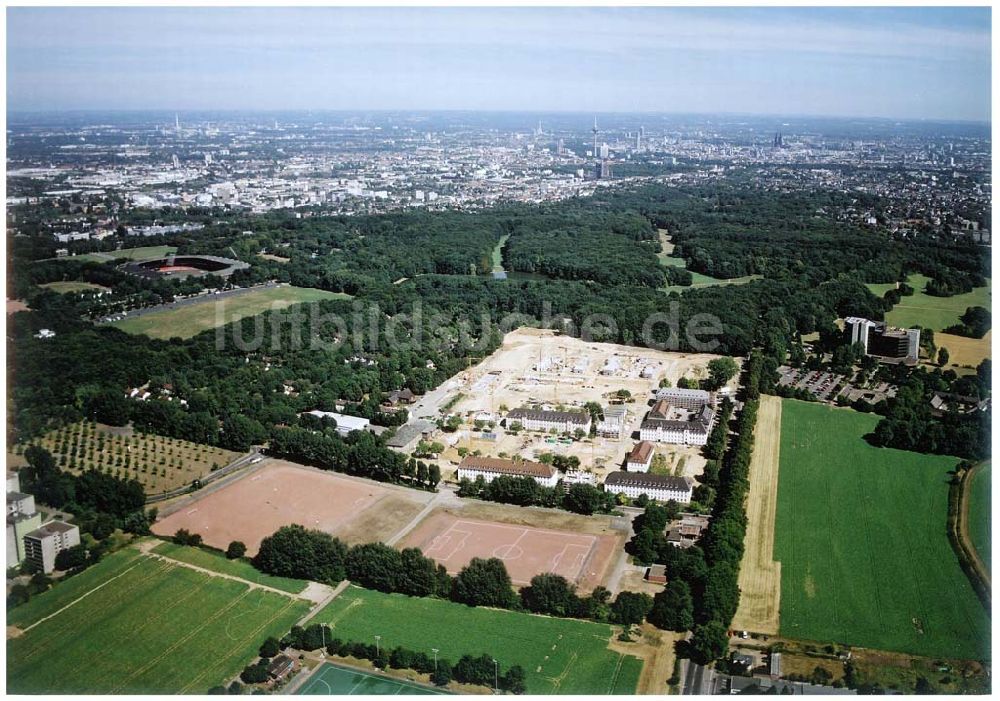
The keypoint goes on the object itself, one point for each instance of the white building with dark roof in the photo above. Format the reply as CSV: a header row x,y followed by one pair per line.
x,y
685,398
43,544
661,488
688,424
473,466
543,420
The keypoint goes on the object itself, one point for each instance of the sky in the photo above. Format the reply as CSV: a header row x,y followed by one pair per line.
x,y
913,63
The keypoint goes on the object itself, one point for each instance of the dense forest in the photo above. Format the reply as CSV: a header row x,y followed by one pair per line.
x,y
598,275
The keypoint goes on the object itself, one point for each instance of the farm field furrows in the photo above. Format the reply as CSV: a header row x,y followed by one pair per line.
x,y
980,522
217,562
153,627
860,535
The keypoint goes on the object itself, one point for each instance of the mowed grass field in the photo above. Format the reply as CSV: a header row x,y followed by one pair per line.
x,y
965,352
937,313
861,537
189,320
137,253
63,287
217,562
760,575
141,626
559,656
979,513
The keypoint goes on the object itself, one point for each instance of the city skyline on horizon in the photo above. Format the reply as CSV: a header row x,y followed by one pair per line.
x,y
848,63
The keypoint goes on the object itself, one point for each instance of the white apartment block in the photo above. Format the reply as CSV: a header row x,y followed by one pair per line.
x,y
660,488
43,544
692,399
668,423
473,466
541,420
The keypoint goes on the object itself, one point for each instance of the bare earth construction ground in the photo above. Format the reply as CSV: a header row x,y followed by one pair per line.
x,y
540,367
283,493
760,575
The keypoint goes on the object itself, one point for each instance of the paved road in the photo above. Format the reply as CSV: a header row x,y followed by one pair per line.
x,y
429,405
697,680
251,458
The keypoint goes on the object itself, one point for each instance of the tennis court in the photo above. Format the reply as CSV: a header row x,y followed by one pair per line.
x,y
331,679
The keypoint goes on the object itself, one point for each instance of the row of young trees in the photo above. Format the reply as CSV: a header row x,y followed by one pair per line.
x,y
702,592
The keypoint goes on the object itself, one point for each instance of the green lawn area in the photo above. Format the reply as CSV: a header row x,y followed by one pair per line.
x,y
334,680
937,313
697,279
218,562
700,280
559,656
145,626
62,287
497,255
880,288
979,513
189,320
137,253
860,534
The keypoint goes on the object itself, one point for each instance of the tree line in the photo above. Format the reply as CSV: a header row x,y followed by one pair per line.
x,y
579,498
301,553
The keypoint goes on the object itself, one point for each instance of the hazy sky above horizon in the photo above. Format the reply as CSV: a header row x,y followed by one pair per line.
x,y
927,63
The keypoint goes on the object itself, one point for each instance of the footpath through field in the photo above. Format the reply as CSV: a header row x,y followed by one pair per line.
x,y
760,575
316,593
964,525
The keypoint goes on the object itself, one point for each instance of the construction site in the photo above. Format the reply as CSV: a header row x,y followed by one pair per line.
x,y
544,370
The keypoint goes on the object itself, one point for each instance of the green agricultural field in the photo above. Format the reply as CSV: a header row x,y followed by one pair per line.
x,y
979,513
860,534
133,624
218,562
191,319
559,656
937,313
63,287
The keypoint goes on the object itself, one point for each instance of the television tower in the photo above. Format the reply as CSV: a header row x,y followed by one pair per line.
x,y
177,122
595,136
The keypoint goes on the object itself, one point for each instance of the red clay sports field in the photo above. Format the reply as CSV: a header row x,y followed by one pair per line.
x,y
525,550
